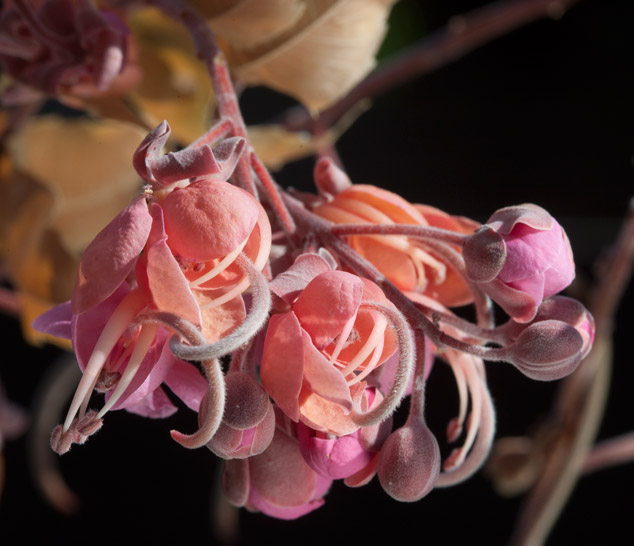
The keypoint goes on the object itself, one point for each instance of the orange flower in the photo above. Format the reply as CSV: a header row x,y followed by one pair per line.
x,y
408,263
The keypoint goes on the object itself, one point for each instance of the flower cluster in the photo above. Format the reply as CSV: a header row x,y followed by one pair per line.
x,y
294,325
326,336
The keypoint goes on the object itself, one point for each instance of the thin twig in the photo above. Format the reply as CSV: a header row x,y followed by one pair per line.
x,y
580,404
463,34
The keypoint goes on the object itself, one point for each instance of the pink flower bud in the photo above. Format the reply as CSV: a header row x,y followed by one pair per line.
x,y
409,462
547,350
248,423
278,482
340,457
571,312
521,256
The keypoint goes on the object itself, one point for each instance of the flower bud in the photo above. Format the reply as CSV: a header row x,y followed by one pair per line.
x,y
547,350
409,463
520,257
249,420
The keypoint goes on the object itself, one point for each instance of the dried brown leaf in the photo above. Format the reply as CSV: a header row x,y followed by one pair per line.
x,y
250,23
85,165
329,50
175,85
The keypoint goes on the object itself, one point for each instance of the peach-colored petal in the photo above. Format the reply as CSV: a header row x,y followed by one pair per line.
x,y
218,321
208,219
323,378
282,366
321,414
327,303
168,286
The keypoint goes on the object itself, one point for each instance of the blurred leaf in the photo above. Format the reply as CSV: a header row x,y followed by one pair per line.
x,y
175,85
329,50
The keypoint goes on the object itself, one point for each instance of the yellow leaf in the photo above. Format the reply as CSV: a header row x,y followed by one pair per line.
x,y
175,85
328,51
248,23
86,166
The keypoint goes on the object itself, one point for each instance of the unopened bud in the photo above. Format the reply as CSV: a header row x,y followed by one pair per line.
x,y
409,463
547,350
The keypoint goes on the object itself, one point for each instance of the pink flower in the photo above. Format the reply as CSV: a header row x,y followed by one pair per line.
x,y
142,348
277,482
521,256
62,46
317,355
194,278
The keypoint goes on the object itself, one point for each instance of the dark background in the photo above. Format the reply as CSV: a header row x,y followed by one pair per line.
x,y
545,114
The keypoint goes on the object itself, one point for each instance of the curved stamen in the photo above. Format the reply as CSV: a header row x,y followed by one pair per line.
x,y
376,355
254,321
378,331
235,291
474,382
455,425
221,266
407,357
343,339
116,325
481,447
141,347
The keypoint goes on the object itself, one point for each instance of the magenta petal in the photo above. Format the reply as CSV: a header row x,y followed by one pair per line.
x,y
87,327
156,406
282,512
531,286
185,164
111,256
152,372
282,370
186,382
150,149
529,252
334,458
55,321
327,303
323,378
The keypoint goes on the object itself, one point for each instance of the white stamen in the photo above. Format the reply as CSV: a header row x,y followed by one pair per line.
x,y
227,296
377,333
142,346
378,351
221,266
116,325
343,338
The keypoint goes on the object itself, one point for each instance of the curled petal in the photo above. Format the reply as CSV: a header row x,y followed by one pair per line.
x,y
149,150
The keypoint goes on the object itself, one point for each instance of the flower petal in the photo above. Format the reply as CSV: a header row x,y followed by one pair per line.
x,y
282,366
111,256
327,303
